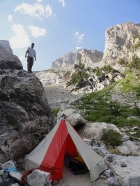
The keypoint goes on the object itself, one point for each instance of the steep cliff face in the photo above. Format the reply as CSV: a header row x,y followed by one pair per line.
x,y
120,42
90,58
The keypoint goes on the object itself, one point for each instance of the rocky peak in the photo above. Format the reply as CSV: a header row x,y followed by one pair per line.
x,y
5,44
90,58
8,60
66,60
119,43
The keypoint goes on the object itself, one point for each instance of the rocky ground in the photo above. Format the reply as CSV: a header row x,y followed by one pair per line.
x,y
123,170
58,97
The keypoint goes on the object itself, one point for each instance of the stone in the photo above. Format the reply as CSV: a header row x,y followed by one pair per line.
x,y
66,75
74,117
128,175
16,175
38,178
94,130
7,180
16,184
110,158
123,164
108,173
8,164
129,147
1,173
102,176
112,181
1,182
125,138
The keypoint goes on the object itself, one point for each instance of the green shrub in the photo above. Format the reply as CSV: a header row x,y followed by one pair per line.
x,y
111,137
79,65
135,63
137,36
78,77
55,111
114,108
88,68
121,61
136,46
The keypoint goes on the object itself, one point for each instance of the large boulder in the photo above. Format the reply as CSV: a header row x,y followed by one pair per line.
x,y
74,117
94,130
129,148
129,174
24,113
38,178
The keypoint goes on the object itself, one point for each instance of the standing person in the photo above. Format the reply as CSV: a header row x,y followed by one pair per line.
x,y
31,57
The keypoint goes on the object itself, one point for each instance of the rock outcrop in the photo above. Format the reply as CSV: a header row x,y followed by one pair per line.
x,y
74,117
90,58
119,44
129,174
24,110
8,60
5,44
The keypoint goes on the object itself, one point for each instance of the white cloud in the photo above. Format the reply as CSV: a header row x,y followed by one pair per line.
x,y
36,31
62,2
21,38
49,11
10,17
79,36
76,34
36,10
39,1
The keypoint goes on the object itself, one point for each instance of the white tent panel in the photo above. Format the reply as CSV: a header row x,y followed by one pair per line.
x,y
34,159
94,162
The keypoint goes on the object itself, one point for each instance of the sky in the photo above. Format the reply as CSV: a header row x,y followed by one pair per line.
x,y
60,26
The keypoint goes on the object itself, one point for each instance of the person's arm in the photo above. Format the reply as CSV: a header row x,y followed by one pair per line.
x,y
27,52
35,56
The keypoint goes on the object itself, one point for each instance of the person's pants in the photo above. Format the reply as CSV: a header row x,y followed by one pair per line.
x,y
29,63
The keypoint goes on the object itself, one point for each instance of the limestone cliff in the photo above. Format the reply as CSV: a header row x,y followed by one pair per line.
x,y
119,44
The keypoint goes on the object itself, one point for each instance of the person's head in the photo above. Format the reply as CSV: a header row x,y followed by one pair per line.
x,y
32,45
